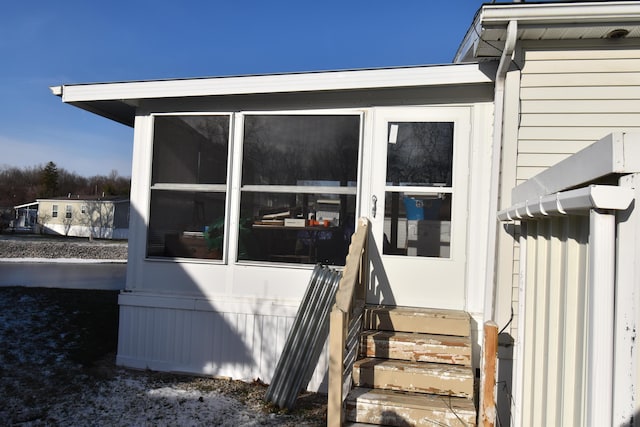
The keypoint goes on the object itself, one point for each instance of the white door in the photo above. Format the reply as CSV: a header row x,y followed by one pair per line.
x,y
417,199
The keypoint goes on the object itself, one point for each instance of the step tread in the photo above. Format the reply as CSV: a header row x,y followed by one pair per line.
x,y
404,408
417,347
418,319
419,377
409,366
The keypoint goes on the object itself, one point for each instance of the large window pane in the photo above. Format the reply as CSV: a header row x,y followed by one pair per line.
x,y
188,186
186,224
302,228
304,158
295,149
190,149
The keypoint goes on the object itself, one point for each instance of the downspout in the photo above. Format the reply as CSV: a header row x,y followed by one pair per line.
x,y
503,68
489,418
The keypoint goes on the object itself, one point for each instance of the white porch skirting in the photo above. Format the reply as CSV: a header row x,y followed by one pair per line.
x,y
239,339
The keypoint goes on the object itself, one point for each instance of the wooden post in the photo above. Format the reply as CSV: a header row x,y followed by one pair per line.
x,y
337,332
488,375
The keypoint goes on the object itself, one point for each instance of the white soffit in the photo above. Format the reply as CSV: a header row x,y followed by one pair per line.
x,y
547,21
452,74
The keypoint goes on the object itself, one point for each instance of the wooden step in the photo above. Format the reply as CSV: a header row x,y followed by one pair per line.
x,y
423,320
417,377
393,408
416,347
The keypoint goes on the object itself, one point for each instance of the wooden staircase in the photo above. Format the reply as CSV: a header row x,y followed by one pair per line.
x,y
414,368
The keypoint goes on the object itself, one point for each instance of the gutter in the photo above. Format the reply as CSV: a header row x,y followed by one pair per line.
x,y
602,197
503,68
555,13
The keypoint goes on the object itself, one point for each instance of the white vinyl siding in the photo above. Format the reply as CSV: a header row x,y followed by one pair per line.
x,y
572,98
233,339
555,355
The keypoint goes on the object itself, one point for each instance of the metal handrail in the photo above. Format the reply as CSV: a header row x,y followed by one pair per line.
x,y
346,317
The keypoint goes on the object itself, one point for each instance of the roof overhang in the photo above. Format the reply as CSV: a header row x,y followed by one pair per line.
x,y
118,101
546,21
26,205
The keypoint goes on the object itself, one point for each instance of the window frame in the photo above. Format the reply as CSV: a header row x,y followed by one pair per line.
x,y
196,188
68,212
54,211
233,187
238,165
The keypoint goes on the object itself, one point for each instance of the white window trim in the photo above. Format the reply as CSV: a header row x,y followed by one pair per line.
x,y
233,187
238,188
200,188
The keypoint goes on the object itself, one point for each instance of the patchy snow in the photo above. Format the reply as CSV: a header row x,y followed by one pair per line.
x,y
139,400
57,368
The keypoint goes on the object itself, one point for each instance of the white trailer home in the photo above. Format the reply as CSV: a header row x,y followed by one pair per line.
x,y
92,216
241,184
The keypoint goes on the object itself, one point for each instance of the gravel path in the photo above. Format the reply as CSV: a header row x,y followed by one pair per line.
x,y
29,246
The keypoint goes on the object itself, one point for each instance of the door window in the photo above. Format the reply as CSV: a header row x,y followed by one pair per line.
x,y
418,190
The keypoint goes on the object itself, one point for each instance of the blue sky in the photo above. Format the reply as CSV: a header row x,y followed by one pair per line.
x,y
48,43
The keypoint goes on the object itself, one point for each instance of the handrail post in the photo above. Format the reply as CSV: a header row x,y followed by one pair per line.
x,y
350,289
337,337
488,378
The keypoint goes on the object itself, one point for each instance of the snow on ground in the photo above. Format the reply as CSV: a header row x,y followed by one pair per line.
x,y
57,367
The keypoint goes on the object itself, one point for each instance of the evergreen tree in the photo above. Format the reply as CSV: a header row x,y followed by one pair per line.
x,y
49,180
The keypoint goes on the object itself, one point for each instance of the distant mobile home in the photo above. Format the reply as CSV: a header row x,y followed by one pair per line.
x,y
501,186
98,217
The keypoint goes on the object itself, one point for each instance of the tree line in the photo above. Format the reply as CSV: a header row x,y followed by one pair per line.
x,y
24,185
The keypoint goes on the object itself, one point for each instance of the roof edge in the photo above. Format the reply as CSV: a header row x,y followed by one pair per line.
x,y
585,12
431,75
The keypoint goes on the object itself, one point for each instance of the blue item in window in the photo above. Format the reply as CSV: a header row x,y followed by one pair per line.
x,y
414,208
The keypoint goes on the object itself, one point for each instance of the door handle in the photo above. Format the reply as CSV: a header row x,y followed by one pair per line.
x,y
374,205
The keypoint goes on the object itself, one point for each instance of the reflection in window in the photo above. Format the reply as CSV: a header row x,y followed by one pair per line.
x,y
420,153
190,149
188,186
308,222
286,150
417,225
186,224
296,227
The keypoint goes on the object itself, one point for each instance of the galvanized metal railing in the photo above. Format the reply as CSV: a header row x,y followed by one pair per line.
x,y
346,323
306,339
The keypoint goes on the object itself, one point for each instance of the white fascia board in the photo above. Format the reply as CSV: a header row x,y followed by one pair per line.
x,y
604,197
617,153
554,13
451,74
